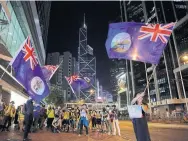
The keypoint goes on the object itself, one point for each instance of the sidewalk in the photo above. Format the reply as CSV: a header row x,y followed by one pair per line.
x,y
157,125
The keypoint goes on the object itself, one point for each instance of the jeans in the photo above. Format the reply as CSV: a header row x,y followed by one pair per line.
x,y
28,120
81,126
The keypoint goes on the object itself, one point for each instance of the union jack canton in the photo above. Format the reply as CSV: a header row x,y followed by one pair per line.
x,y
155,31
29,52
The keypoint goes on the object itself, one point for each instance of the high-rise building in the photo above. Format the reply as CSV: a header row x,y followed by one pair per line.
x,y
43,10
117,70
68,66
87,65
18,19
169,79
67,71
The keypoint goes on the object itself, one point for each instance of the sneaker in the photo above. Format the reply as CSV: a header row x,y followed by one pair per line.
x,y
79,135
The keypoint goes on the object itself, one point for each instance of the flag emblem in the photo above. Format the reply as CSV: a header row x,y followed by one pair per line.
x,y
37,85
156,31
29,52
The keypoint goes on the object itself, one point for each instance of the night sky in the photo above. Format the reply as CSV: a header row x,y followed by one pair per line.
x,y
66,19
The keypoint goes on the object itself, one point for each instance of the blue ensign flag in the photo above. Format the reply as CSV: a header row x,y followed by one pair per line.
x,y
28,72
138,41
76,81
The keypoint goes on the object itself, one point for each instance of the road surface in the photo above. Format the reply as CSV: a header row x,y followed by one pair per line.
x,y
158,131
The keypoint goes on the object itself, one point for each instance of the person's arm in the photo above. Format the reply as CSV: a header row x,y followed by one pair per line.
x,y
137,97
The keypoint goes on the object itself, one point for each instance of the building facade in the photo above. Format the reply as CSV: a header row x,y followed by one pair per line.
x,y
18,20
67,71
68,66
43,10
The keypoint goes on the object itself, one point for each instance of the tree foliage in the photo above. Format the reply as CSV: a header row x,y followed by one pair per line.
x,y
54,97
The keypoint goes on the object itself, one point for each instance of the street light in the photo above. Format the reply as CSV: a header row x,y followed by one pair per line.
x,y
184,58
91,91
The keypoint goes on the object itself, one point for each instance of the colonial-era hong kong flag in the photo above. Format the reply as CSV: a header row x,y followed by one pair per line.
x,y
48,71
28,71
138,41
76,81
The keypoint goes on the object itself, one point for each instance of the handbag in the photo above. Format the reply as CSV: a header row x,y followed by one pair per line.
x,y
135,111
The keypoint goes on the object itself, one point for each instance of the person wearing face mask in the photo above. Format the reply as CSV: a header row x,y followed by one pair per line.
x,y
108,120
10,112
116,121
140,124
28,117
83,119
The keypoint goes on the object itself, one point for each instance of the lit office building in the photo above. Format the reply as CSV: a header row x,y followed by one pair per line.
x,y
18,19
168,85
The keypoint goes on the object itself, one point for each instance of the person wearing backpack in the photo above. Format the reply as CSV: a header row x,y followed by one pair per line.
x,y
28,117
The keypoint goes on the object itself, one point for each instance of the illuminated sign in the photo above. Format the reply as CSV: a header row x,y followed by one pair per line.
x,y
121,81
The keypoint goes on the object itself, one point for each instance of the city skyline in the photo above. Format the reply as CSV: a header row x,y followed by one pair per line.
x,y
67,32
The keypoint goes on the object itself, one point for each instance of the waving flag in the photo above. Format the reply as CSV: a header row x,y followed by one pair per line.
x,y
76,81
28,72
48,71
138,41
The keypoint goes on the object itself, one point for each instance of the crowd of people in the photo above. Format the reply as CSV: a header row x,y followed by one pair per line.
x,y
32,117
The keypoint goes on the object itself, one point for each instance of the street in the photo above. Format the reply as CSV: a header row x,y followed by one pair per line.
x,y
158,131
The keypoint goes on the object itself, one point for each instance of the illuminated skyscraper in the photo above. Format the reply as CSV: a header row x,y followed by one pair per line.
x,y
87,65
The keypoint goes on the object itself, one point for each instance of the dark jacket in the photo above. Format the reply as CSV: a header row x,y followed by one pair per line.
x,y
29,107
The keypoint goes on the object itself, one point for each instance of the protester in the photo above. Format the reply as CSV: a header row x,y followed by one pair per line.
x,y
36,117
17,118
9,114
56,124
115,121
94,119
140,124
83,119
43,116
98,118
50,117
108,120
28,117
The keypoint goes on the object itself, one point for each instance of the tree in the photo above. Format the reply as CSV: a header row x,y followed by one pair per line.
x,y
54,97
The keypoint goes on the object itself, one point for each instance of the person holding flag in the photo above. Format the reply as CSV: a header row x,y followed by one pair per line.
x,y
28,72
28,117
139,42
